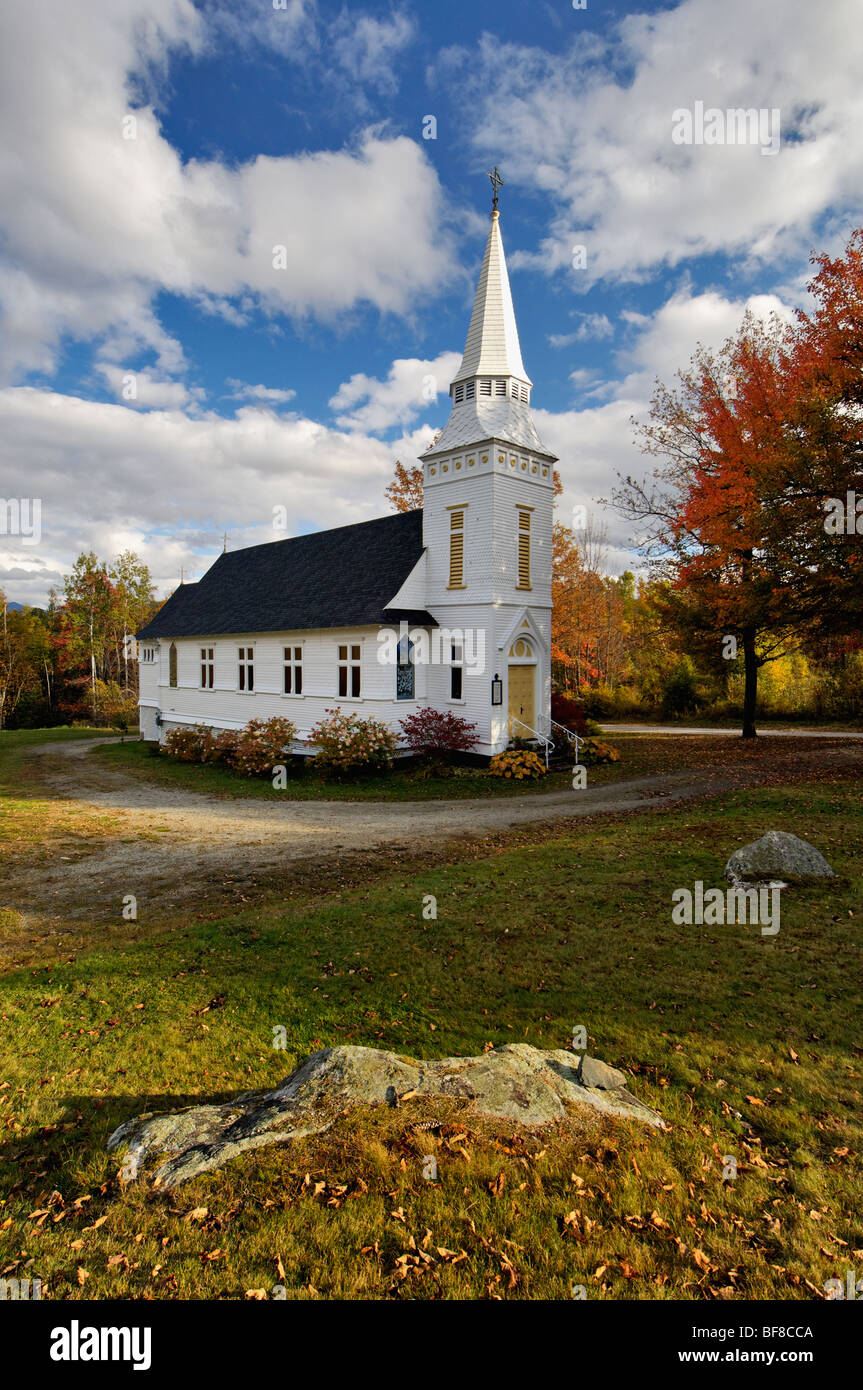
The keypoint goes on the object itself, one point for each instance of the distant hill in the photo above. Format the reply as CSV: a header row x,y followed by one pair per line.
x,y
15,607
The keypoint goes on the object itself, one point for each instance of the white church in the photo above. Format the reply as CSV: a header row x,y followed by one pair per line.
x,y
445,607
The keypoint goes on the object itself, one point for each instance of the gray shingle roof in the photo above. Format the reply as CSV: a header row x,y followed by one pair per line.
x,y
496,418
339,578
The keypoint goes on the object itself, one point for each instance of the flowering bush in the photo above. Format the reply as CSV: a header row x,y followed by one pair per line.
x,y
593,751
345,741
220,747
517,763
252,751
184,744
432,732
261,745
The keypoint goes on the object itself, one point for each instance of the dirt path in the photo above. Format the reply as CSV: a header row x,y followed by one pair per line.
x,y
676,730
172,846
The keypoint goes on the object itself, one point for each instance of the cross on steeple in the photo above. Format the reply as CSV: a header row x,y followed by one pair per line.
x,y
496,183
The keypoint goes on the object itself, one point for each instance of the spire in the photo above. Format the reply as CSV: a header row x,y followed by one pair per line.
x,y
492,347
491,389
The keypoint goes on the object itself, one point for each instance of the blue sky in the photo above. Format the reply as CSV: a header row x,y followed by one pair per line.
x,y
145,263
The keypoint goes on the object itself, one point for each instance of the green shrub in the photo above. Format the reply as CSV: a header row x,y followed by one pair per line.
x,y
680,691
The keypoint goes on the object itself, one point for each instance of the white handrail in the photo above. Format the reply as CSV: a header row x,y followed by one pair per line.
x,y
541,738
575,739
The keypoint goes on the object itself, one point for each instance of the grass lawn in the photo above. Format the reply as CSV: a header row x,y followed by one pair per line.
x,y
26,815
748,1045
641,755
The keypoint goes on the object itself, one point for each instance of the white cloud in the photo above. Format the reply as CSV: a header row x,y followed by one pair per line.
x,y
666,341
95,224
597,442
412,386
166,483
591,129
350,54
368,49
112,478
269,395
592,326
144,391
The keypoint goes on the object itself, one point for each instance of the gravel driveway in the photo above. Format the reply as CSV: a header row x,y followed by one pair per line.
x,y
175,845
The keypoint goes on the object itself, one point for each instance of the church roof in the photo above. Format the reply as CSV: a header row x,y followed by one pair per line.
x,y
339,578
505,419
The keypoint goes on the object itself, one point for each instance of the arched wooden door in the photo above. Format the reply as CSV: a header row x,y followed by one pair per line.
x,y
521,674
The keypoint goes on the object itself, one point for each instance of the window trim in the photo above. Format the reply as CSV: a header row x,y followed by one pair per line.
x,y
293,664
350,664
246,665
207,667
410,664
456,663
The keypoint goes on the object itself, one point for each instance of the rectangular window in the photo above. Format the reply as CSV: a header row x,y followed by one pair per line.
x,y
405,671
523,549
208,667
469,391
247,669
500,388
459,395
485,388
456,675
293,670
350,668
456,550
148,654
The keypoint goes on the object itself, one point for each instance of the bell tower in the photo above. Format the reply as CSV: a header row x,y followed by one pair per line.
x,y
488,488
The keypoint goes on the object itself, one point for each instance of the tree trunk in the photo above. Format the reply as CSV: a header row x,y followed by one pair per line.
x,y
750,688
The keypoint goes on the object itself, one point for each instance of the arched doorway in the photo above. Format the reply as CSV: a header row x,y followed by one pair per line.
x,y
521,673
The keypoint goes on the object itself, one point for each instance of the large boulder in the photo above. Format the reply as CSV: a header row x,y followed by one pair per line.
x,y
514,1083
777,856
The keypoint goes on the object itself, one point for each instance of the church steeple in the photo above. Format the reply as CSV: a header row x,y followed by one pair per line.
x,y
492,347
491,390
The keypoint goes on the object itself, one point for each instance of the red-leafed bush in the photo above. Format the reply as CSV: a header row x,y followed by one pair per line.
x,y
431,733
569,713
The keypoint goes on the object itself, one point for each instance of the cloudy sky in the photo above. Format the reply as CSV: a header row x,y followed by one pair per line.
x,y
162,381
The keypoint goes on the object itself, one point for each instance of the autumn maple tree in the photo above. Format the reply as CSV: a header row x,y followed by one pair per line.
x,y
405,492
752,445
